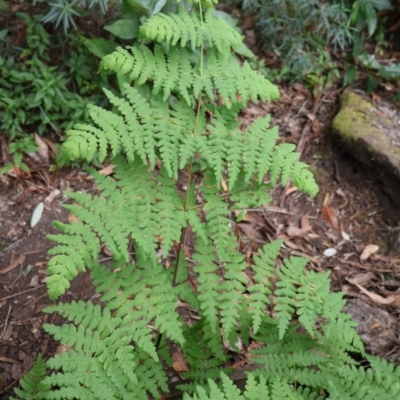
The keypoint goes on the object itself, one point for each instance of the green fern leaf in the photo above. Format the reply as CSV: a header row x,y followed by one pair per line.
x,y
206,269
181,282
78,248
186,28
102,351
281,390
204,351
217,216
257,148
264,268
256,390
231,290
32,384
192,216
311,297
136,306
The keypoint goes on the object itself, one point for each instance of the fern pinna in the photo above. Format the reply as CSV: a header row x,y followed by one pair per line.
x,y
182,90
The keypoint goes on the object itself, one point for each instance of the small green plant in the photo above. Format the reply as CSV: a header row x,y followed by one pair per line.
x,y
18,148
304,34
34,94
300,31
182,94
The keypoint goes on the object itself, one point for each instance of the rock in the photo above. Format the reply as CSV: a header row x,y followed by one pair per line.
x,y
376,327
371,133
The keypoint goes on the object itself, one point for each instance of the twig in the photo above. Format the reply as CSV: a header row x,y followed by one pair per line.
x,y
19,276
13,265
6,322
13,245
17,294
277,211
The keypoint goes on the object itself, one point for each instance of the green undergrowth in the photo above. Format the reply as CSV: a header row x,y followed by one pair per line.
x,y
322,42
45,83
182,91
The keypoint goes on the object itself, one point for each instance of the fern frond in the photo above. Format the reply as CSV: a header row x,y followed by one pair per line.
x,y
256,390
340,330
247,195
284,162
78,247
32,384
232,80
204,352
133,204
264,268
179,71
189,28
358,383
192,216
139,129
208,278
285,292
311,297
101,357
231,290
182,286
170,212
384,368
217,215
136,308
281,390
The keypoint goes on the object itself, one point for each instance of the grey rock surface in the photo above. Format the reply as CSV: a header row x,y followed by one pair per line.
x,y
376,327
371,133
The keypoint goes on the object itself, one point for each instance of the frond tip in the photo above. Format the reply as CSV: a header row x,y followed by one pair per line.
x,y
189,28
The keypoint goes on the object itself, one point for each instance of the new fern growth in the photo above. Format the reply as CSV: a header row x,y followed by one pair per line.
x,y
182,94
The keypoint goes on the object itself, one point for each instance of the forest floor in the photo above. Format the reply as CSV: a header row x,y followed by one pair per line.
x,y
350,229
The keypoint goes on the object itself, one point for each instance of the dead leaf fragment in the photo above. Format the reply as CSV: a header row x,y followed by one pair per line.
x,y
72,218
290,190
329,215
107,170
345,236
50,198
363,278
17,371
62,348
368,251
43,149
179,363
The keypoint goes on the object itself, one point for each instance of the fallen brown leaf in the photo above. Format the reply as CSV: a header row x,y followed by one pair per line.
x,y
179,362
107,170
368,251
290,190
43,149
329,215
373,296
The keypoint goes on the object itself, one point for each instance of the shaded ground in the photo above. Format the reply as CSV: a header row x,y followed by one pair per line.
x,y
349,217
